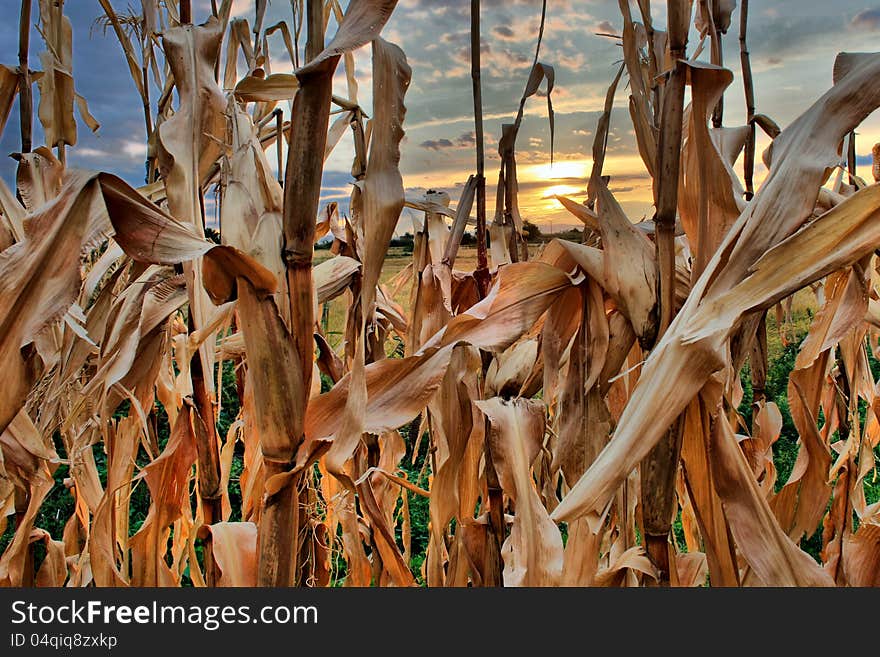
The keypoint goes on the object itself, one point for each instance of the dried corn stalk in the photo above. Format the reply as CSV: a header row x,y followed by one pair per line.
x,y
597,385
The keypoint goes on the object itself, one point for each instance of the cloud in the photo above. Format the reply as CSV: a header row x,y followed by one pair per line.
x,y
605,27
92,153
135,150
497,62
466,140
573,62
436,144
868,19
504,33
240,9
462,39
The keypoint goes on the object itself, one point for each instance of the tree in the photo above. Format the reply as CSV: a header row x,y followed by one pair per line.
x,y
531,231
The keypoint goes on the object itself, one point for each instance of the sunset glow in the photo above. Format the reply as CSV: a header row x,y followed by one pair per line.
x,y
558,170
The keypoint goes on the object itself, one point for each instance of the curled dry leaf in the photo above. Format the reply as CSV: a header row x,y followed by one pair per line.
x,y
533,551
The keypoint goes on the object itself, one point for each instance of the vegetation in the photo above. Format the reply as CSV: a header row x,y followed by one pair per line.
x,y
687,400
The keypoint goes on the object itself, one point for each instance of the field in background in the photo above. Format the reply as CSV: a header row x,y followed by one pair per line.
x,y
395,262
794,327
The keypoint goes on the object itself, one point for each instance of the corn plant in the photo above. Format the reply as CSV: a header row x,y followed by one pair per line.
x,y
578,407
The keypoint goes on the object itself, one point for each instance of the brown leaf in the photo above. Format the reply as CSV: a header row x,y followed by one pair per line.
x,y
8,90
772,554
861,556
168,480
234,549
533,553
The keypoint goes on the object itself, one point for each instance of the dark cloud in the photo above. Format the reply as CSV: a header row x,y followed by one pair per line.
x,y
460,39
504,32
869,19
466,140
606,27
436,144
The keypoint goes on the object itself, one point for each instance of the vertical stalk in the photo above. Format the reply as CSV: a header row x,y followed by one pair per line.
x,y
278,541
296,5
146,47
207,443
660,466
26,101
851,157
717,55
207,448
215,12
302,188
669,158
658,472
186,12
283,517
492,561
279,139
748,85
842,496
492,558
315,29
148,120
509,198
758,366
482,272
653,64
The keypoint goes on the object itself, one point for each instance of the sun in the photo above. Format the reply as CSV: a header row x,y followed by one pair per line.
x,y
561,190
550,194
559,170
563,178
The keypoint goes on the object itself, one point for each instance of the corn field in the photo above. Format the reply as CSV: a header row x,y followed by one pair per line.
x,y
570,405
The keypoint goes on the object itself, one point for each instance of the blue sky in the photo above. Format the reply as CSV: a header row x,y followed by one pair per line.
x,y
793,44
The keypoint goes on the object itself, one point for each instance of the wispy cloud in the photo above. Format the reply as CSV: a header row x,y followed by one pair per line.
x,y
868,19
